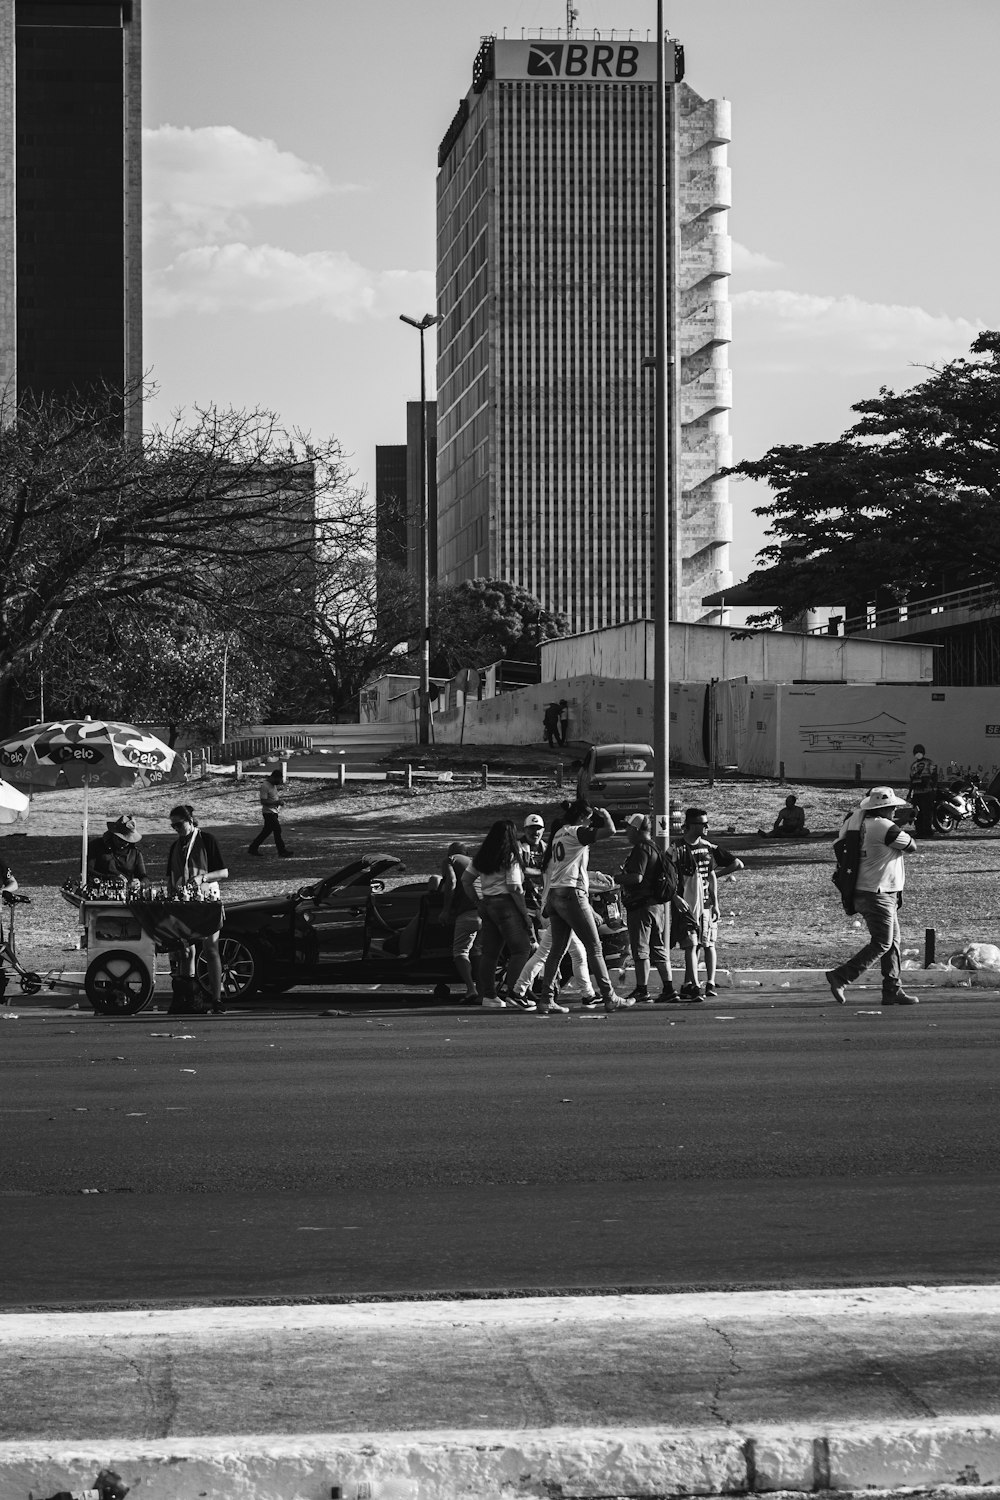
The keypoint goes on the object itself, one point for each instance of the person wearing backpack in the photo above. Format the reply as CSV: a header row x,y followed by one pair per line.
x,y
649,885
877,891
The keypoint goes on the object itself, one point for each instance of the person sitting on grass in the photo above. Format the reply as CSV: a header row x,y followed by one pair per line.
x,y
790,822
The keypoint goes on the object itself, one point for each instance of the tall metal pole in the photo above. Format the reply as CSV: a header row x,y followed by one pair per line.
x,y
663,467
425,574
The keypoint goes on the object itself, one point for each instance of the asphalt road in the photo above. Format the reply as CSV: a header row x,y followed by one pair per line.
x,y
418,1151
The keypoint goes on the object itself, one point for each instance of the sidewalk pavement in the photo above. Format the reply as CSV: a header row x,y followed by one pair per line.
x,y
553,1396
745,984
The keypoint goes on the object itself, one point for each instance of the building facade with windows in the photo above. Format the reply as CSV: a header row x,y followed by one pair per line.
x,y
70,198
545,258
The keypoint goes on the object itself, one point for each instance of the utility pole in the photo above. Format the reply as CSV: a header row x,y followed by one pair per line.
x,y
665,424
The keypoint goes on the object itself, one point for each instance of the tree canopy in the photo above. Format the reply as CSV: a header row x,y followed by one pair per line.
x,y
486,619
905,503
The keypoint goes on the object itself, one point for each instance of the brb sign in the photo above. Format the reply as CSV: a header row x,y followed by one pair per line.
x,y
579,62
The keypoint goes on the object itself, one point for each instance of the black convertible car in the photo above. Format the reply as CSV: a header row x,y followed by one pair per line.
x,y
349,929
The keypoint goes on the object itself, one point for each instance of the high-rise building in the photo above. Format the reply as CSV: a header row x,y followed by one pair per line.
x,y
546,246
397,495
70,198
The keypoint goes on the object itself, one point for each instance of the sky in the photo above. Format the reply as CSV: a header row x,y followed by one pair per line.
x,y
290,156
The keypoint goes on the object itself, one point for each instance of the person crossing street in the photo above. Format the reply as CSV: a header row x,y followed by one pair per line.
x,y
270,804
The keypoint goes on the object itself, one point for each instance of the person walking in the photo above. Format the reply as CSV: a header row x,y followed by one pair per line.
x,y
563,720
646,876
495,881
566,900
457,903
195,857
697,927
923,791
270,804
533,847
878,893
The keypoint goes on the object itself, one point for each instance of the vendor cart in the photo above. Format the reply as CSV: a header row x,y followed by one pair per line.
x,y
121,941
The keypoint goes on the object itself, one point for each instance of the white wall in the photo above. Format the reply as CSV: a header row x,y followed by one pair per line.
x,y
821,733
700,652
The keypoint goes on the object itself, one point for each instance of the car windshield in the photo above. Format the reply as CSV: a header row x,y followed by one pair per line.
x,y
632,759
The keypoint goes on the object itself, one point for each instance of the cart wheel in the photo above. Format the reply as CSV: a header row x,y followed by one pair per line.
x,y
118,983
30,983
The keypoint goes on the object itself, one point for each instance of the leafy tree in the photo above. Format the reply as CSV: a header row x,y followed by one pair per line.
x,y
156,664
227,511
486,619
364,613
904,503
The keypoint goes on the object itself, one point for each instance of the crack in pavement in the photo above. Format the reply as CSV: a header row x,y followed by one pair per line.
x,y
723,1375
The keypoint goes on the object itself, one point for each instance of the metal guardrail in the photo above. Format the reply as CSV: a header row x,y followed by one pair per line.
x,y
980,596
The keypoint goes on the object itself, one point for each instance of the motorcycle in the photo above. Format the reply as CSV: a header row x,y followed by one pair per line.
x,y
964,798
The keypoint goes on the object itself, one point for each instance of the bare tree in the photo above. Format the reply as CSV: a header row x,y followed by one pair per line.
x,y
227,510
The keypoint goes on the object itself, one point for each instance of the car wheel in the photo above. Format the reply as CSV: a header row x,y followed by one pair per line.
x,y
242,968
442,991
118,983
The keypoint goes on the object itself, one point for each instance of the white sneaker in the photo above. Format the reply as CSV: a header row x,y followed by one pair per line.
x,y
494,1004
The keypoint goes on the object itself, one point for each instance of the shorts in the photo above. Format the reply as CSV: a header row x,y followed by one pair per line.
x,y
467,925
645,932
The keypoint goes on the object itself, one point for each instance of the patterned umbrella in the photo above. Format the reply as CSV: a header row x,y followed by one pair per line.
x,y
85,752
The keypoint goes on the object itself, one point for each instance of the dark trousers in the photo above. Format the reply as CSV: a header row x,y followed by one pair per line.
x,y
923,805
271,829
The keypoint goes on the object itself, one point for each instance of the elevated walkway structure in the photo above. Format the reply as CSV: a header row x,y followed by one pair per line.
x,y
963,626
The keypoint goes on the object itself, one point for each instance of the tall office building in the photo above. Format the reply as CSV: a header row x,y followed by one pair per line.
x,y
546,198
70,197
397,495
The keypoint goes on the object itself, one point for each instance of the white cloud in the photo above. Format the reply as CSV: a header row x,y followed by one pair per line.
x,y
198,183
752,260
794,331
266,278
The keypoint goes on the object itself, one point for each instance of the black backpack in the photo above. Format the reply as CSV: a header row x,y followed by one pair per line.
x,y
663,882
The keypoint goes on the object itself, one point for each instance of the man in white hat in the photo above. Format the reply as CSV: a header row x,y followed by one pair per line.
x,y
878,894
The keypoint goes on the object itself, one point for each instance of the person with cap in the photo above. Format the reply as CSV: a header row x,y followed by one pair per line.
x,y
695,924
270,803
878,893
644,875
533,846
115,856
924,776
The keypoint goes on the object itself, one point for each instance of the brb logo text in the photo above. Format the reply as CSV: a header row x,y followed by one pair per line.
x,y
583,60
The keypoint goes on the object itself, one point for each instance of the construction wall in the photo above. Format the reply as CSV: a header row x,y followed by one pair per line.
x,y
819,733
700,652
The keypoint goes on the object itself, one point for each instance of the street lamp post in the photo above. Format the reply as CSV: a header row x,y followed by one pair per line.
x,y
665,448
422,325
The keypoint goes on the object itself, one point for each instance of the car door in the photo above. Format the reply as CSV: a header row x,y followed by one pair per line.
x,y
337,923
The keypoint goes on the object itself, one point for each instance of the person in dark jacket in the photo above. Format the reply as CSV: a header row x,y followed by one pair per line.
x,y
116,857
646,916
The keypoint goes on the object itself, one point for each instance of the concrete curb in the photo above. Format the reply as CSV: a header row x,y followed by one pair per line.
x,y
496,1465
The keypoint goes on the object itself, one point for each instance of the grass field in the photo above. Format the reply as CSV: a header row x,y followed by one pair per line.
x,y
780,912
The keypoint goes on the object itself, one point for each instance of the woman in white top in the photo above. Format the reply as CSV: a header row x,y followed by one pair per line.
x,y
495,881
567,903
